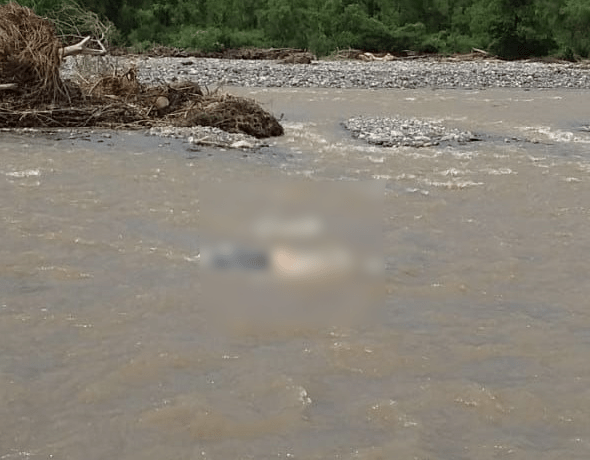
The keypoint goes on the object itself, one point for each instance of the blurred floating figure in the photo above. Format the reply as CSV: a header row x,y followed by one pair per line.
x,y
297,254
288,263
280,262
229,258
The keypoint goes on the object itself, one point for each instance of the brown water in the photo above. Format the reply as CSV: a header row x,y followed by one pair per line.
x,y
480,351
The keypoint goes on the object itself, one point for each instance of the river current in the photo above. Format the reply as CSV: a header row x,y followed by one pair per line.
x,y
479,351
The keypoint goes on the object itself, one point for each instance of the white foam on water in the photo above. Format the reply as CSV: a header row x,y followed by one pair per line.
x,y
297,125
405,176
463,155
24,174
456,119
417,190
303,397
499,171
536,159
16,454
557,135
418,155
454,172
299,134
452,185
373,159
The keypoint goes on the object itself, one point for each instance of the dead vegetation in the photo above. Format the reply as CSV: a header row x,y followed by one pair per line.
x,y
30,55
407,55
284,55
34,94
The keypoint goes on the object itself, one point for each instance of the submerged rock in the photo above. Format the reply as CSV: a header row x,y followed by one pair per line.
x,y
209,136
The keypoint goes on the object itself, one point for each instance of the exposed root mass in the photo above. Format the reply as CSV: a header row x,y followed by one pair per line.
x,y
34,94
30,55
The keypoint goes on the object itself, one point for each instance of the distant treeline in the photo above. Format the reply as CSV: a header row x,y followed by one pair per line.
x,y
508,28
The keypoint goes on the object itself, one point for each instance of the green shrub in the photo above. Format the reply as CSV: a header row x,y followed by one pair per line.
x,y
244,39
519,44
509,28
193,37
409,37
459,43
434,43
567,54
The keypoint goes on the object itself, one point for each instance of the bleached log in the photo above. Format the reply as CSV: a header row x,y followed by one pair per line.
x,y
369,57
8,86
81,48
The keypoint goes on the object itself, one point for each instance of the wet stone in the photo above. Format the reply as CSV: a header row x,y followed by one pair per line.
x,y
209,136
398,132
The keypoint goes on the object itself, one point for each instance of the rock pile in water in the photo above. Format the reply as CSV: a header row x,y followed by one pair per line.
x,y
403,132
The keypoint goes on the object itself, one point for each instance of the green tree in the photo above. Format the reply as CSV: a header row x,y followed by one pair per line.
x,y
575,20
510,28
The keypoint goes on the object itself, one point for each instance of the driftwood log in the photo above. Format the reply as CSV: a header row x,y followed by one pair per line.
x,y
369,57
82,48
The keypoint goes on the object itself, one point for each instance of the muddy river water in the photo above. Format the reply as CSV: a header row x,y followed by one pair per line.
x,y
479,351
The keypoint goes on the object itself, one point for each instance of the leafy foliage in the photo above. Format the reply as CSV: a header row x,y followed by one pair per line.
x,y
509,28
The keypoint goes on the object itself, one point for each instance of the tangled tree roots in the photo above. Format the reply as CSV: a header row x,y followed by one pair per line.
x,y
34,95
284,55
121,101
235,115
30,54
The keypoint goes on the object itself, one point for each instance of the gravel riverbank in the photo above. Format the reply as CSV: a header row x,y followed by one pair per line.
x,y
387,132
419,73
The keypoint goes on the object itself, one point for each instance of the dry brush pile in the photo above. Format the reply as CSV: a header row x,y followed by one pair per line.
x,y
34,94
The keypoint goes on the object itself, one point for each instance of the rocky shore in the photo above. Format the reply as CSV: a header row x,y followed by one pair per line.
x,y
387,132
419,73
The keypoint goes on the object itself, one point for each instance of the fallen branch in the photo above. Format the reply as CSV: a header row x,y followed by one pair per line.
x,y
477,50
81,48
369,57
